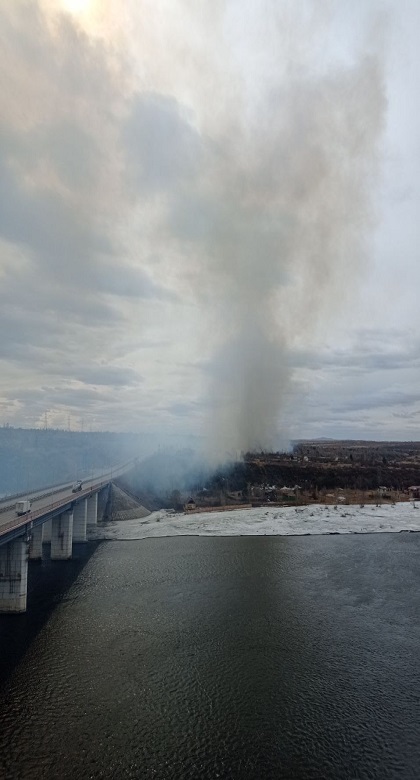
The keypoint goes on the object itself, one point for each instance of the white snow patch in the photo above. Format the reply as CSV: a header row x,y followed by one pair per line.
x,y
274,521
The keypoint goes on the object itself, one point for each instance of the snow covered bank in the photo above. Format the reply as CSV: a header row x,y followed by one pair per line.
x,y
276,521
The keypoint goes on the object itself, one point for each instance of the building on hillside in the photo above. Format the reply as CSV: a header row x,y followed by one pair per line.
x,y
414,491
235,495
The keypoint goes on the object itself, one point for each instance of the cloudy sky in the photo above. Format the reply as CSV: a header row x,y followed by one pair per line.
x,y
209,218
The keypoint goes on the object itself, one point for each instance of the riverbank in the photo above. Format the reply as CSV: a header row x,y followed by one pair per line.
x,y
263,521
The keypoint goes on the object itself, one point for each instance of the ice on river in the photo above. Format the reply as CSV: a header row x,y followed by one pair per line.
x,y
274,521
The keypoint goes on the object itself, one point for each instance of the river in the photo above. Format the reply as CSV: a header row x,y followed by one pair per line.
x,y
203,658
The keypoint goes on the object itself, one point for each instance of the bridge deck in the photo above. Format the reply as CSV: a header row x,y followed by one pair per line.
x,y
47,503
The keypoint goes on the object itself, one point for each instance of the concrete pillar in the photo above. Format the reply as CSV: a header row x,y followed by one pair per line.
x,y
92,509
13,576
62,537
102,502
79,521
46,536
35,543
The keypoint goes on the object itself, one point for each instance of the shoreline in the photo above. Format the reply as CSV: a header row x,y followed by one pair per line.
x,y
244,536
309,520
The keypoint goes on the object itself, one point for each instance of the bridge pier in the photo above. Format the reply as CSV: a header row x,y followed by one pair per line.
x,y
35,543
80,521
13,576
92,509
103,496
47,526
62,537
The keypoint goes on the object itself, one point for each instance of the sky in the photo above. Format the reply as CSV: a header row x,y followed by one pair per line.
x,y
209,218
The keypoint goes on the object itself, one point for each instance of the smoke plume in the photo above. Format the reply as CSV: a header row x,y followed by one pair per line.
x,y
279,216
188,194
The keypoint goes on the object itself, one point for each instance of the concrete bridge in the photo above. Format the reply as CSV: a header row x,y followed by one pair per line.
x,y
58,516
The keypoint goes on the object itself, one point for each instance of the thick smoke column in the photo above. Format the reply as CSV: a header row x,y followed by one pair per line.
x,y
196,178
281,216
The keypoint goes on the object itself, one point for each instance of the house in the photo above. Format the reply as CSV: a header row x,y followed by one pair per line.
x,y
235,495
289,492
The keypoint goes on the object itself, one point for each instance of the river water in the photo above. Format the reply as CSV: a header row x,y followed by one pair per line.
x,y
244,657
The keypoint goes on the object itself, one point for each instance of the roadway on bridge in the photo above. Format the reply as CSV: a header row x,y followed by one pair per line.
x,y
39,499
43,503
9,500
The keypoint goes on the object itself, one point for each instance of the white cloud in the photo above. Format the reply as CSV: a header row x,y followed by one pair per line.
x,y
189,204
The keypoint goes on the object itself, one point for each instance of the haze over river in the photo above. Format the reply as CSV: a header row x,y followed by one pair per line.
x,y
217,657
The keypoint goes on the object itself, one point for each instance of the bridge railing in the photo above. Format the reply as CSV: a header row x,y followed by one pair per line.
x,y
25,520
51,489
38,496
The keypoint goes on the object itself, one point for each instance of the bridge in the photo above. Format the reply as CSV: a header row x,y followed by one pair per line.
x,y
58,516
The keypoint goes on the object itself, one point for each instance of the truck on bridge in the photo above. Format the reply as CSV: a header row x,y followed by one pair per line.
x,y
23,507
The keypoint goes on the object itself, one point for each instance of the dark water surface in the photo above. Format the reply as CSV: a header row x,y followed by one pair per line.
x,y
244,657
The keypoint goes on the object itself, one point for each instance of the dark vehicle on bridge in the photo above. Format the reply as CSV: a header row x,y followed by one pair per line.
x,y
77,486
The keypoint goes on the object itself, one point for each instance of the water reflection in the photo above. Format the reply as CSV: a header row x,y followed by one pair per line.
x,y
241,657
48,583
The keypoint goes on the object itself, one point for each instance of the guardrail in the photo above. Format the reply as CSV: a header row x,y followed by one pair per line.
x,y
37,497
51,489
24,520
